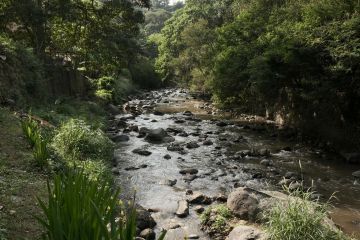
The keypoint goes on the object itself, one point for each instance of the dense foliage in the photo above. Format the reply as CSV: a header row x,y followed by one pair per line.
x,y
44,42
294,59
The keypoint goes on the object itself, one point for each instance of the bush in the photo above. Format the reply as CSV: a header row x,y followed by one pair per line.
x,y
75,140
299,218
111,88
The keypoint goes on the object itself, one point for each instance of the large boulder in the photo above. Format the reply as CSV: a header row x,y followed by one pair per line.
x,y
243,204
158,135
246,233
144,219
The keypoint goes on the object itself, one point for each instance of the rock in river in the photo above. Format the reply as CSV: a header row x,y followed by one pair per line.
x,y
148,234
192,145
199,198
158,135
183,209
142,152
143,218
120,138
242,204
188,171
246,233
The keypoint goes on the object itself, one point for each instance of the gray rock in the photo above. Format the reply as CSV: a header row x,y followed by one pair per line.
x,y
183,209
207,143
120,138
199,209
175,147
246,233
189,171
193,236
167,156
142,152
242,204
115,171
188,113
199,198
144,219
192,145
179,121
148,234
158,135
189,178
221,124
221,198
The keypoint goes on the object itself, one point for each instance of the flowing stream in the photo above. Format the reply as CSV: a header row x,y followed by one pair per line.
x,y
220,166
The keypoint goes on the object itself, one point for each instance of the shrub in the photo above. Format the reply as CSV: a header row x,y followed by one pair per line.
x,y
79,208
299,218
75,140
112,88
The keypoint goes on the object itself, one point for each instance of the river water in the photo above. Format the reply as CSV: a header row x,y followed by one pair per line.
x,y
220,168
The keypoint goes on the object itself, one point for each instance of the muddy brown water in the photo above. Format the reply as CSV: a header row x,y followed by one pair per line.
x,y
218,170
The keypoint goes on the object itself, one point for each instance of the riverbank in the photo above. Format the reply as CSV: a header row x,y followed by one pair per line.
x,y
21,181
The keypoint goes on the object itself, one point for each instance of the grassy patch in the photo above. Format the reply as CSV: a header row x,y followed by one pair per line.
x,y
20,182
215,221
299,218
90,112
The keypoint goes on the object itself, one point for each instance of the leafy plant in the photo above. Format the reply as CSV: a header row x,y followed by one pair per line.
x,y
32,133
79,208
75,140
41,153
30,129
300,218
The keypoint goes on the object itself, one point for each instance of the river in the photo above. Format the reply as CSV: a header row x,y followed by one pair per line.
x,y
220,166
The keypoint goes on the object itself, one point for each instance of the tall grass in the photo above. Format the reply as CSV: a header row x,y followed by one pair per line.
x,y
30,129
300,218
37,142
81,209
